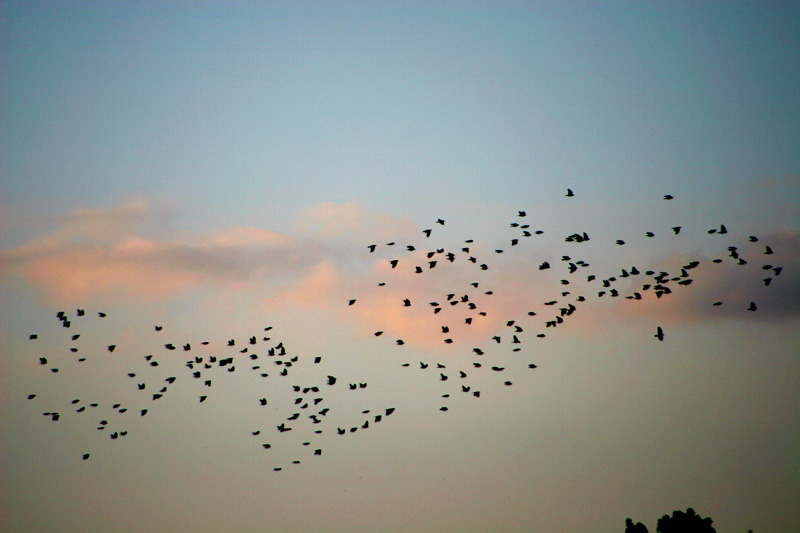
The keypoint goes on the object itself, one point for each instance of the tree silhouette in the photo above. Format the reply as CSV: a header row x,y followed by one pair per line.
x,y
688,522
638,527
679,522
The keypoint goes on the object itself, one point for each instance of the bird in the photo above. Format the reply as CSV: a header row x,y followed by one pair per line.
x,y
569,193
659,334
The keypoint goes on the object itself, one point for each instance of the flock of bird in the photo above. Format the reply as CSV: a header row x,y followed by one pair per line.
x,y
464,305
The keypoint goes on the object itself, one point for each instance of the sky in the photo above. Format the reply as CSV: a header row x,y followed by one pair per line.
x,y
219,169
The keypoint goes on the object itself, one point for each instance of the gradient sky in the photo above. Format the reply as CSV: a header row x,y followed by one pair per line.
x,y
217,169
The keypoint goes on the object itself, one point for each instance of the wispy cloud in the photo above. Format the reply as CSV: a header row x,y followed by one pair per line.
x,y
98,251
352,221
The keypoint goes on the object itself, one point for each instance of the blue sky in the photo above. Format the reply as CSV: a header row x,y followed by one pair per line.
x,y
213,167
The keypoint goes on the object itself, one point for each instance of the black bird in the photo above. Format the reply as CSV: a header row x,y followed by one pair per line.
x,y
667,197
569,193
263,401
752,306
112,347
85,456
427,232
659,334
331,380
